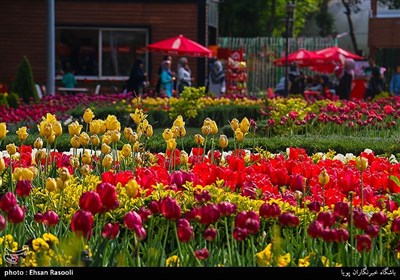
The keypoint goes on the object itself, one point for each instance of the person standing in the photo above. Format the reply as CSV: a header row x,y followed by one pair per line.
x,y
137,79
297,79
374,76
167,79
343,89
184,75
394,84
158,86
216,79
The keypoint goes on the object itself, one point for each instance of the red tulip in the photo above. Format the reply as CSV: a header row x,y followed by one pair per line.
x,y
315,229
270,210
82,223
314,206
288,219
326,218
170,208
201,254
210,233
342,210
396,225
240,234
23,188
154,207
363,242
50,218
144,213
15,214
227,208
379,218
110,231
372,230
185,230
7,201
90,201
208,214
108,195
132,220
3,223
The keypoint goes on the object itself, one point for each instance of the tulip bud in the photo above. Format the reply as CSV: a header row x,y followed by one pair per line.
x,y
26,174
22,133
206,129
51,138
3,130
214,127
198,139
51,184
40,155
179,121
171,144
184,158
126,150
244,125
85,169
86,157
149,131
132,188
11,148
60,183
128,132
75,143
323,178
74,161
34,170
234,124
239,135
57,128
106,138
88,115
105,149
137,147
223,141
107,161
2,164
38,144
95,140
361,163
64,174
95,127
84,139
17,173
167,134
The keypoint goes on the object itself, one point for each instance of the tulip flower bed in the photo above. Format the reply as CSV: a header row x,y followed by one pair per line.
x,y
102,207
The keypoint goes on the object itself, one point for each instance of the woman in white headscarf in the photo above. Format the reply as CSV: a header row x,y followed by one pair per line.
x,y
216,79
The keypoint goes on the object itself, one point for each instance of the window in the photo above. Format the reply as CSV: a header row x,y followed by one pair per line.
x,y
99,52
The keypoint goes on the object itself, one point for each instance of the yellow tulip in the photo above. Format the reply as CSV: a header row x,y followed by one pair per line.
x,y
234,124
171,144
86,157
223,141
60,184
126,150
239,135
38,144
84,139
22,133
88,115
182,131
137,147
64,174
115,136
75,143
17,173
57,128
34,170
26,174
105,149
107,161
106,138
51,184
11,148
74,161
323,177
128,132
85,169
39,156
112,123
361,163
179,121
244,125
167,134
149,131
134,137
132,188
74,128
95,140
184,158
198,139
138,116
206,129
2,164
46,130
3,130
214,127
51,138
95,126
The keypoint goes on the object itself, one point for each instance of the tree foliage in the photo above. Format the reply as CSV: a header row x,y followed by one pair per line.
x,y
24,84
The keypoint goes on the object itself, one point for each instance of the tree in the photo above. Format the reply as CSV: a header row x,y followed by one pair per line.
x,y
351,6
24,84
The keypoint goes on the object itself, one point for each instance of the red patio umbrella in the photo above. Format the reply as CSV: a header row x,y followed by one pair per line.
x,y
180,45
334,56
302,57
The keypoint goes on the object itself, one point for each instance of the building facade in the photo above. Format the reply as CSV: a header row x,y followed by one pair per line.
x,y
101,39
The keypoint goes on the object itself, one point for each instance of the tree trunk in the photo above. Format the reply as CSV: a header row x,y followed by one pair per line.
x,y
351,28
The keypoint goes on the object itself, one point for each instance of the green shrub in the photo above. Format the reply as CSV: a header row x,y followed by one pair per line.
x,y
13,100
24,84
